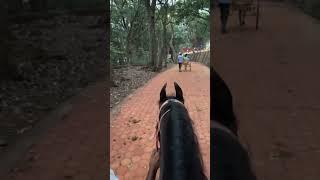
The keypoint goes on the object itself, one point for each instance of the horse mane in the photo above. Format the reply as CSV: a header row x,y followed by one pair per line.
x,y
182,158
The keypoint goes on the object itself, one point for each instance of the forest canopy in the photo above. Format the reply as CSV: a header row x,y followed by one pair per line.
x,y
144,32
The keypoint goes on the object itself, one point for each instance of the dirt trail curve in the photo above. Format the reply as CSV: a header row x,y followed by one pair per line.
x,y
71,144
132,129
273,74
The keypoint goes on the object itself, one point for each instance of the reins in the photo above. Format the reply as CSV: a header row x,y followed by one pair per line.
x,y
157,133
158,125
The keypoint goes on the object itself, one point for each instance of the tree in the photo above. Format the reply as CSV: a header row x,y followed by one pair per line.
x,y
135,22
195,14
38,5
129,26
4,62
171,21
164,21
193,9
15,6
151,8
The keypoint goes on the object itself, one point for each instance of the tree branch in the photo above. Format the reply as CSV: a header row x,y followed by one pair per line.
x,y
124,24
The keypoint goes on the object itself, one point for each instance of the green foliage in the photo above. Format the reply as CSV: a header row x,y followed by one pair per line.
x,y
141,57
194,15
130,24
76,4
311,7
192,9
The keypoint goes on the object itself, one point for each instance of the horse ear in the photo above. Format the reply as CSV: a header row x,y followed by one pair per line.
x,y
179,93
163,94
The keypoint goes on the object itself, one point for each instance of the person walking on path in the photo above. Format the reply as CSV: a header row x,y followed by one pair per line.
x,y
180,60
224,6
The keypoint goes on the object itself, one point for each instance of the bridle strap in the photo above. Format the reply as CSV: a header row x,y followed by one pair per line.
x,y
158,128
170,100
157,133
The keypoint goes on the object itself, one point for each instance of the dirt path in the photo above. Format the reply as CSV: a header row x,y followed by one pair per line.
x,y
69,145
132,129
273,75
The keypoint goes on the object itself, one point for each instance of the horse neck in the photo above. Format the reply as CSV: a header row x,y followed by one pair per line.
x,y
180,155
229,122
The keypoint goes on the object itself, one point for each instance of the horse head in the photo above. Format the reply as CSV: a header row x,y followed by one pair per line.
x,y
164,97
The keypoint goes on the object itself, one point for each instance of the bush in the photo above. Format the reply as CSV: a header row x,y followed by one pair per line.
x,y
311,7
75,4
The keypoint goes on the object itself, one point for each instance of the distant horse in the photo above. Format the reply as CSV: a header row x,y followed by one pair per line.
x,y
229,160
180,157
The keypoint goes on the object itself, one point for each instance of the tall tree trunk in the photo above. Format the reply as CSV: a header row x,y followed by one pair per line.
x,y
38,5
129,47
162,47
174,53
129,53
15,6
152,38
4,32
159,52
152,43
165,47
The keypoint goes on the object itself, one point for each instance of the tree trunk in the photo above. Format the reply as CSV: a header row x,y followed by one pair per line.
x,y
131,38
38,5
165,48
152,38
129,48
4,32
174,53
153,45
159,52
15,6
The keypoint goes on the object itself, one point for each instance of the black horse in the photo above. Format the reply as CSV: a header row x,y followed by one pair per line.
x,y
180,157
229,160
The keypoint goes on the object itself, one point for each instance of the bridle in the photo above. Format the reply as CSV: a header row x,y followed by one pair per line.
x,y
161,116
158,125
